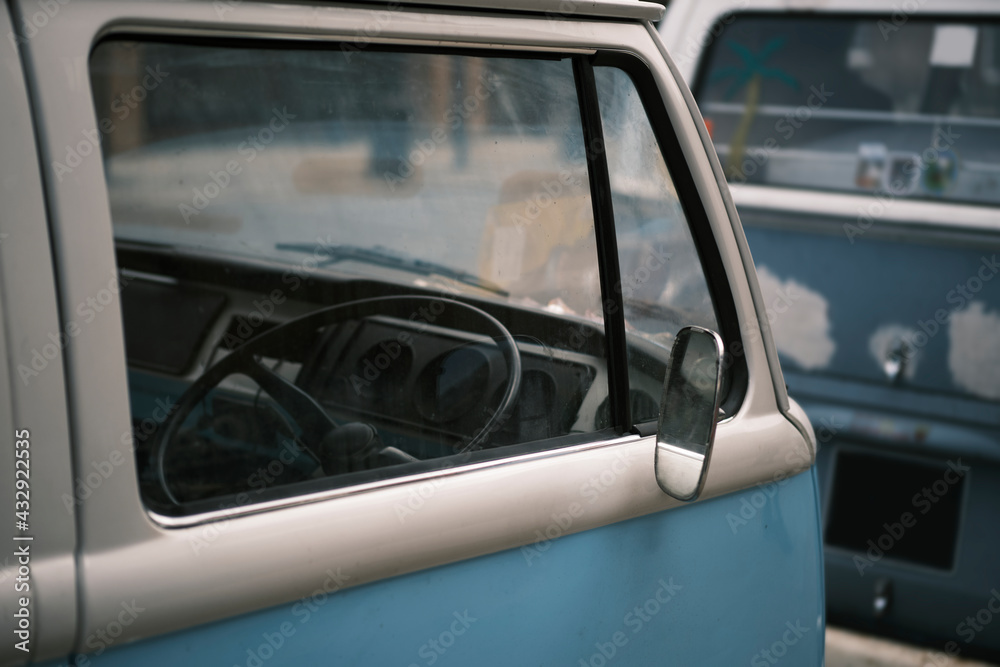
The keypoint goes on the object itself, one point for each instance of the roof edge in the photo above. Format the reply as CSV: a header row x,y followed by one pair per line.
x,y
566,9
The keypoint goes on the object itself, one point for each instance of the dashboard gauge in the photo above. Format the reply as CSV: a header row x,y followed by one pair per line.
x,y
452,385
380,373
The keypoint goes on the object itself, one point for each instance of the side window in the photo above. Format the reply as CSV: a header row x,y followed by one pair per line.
x,y
663,283
342,266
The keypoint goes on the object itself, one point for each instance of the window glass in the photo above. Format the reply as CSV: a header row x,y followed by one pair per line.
x,y
857,105
662,280
342,266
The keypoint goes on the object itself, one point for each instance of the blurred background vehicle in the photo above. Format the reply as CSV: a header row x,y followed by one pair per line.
x,y
862,144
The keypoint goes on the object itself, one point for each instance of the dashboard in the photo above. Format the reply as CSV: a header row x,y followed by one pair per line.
x,y
427,388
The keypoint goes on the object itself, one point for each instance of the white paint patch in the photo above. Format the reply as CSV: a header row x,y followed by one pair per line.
x,y
799,319
974,355
888,338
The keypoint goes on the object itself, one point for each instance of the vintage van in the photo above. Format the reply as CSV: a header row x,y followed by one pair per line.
x,y
384,333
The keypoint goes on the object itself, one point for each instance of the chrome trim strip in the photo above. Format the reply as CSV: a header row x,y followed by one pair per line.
x,y
319,496
902,211
149,277
631,9
775,110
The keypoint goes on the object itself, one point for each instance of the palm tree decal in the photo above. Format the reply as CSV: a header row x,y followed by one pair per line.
x,y
751,74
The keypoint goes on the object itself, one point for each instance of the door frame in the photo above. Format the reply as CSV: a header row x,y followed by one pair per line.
x,y
123,548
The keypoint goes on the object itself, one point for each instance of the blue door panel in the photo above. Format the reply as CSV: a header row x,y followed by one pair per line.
x,y
714,583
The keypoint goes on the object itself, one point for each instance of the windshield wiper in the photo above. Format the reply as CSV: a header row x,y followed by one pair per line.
x,y
381,256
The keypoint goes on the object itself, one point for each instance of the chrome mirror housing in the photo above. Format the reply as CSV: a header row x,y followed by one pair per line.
x,y
689,408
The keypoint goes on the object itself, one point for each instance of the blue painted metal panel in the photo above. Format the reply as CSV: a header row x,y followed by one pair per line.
x,y
714,583
870,283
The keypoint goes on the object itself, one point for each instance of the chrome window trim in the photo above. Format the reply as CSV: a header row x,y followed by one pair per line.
x,y
429,476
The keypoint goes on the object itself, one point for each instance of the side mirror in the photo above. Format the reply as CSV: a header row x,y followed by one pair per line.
x,y
689,408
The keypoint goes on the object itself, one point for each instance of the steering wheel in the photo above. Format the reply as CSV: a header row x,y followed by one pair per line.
x,y
333,445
